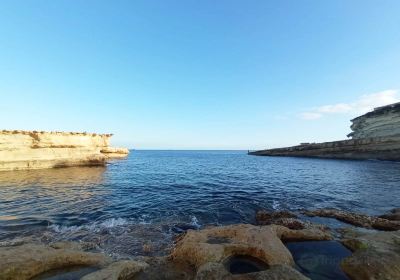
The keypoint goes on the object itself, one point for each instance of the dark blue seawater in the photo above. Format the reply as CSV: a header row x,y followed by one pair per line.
x,y
152,195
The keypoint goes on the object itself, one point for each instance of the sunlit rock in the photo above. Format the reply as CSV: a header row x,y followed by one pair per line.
x,y
36,150
240,249
376,135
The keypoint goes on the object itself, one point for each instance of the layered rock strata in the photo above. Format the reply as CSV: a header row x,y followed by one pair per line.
x,y
34,150
381,122
376,135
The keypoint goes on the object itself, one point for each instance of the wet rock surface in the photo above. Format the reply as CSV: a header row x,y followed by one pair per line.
x,y
319,259
375,255
216,271
356,219
393,215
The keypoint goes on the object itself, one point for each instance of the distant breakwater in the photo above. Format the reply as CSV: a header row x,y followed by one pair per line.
x,y
376,135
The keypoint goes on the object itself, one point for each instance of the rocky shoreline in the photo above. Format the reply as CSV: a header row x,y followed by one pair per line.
x,y
240,251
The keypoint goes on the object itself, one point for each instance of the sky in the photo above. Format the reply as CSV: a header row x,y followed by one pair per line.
x,y
193,74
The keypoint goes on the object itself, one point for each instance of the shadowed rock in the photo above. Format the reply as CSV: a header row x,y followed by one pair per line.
x,y
29,260
217,271
393,215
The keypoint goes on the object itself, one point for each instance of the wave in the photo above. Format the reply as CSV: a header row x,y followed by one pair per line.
x,y
95,226
114,223
195,222
275,205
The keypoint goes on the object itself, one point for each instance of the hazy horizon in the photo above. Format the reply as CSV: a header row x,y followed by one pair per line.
x,y
190,75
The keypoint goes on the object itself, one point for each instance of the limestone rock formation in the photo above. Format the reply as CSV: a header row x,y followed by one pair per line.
x,y
375,255
29,260
35,150
223,250
381,122
282,218
356,219
120,270
376,135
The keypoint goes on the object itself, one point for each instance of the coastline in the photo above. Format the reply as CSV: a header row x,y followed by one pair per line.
x,y
229,252
375,135
379,148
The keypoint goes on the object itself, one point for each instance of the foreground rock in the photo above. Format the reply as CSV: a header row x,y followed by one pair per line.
x,y
376,135
375,255
225,251
121,270
34,150
356,219
218,271
29,260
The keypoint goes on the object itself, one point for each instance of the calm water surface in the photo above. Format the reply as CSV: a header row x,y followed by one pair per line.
x,y
152,195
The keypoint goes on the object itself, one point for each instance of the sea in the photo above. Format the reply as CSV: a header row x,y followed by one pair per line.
x,y
139,205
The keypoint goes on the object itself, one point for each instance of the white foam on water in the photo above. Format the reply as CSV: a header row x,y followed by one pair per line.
x,y
110,223
95,227
195,222
144,220
275,205
64,229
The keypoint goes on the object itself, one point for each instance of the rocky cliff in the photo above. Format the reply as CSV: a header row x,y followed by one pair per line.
x,y
376,135
35,150
383,121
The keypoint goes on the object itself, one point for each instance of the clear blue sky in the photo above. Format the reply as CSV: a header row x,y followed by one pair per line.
x,y
196,74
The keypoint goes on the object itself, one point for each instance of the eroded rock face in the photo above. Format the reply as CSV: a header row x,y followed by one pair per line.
x,y
29,260
356,219
382,122
376,135
35,150
375,255
213,249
